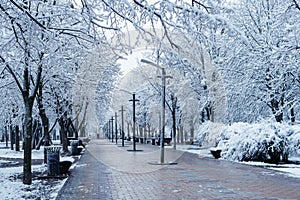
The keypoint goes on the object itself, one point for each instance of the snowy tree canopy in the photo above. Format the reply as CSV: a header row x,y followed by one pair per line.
x,y
238,59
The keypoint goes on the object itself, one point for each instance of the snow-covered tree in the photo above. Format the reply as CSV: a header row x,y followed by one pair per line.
x,y
32,33
260,65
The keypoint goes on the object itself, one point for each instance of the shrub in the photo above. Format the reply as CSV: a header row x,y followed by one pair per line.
x,y
266,142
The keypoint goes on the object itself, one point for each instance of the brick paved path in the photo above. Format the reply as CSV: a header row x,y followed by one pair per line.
x,y
107,171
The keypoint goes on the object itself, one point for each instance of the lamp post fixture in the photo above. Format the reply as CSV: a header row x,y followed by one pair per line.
x,y
122,126
163,80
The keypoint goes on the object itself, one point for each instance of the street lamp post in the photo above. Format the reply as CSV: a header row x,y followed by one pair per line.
x,y
133,111
122,126
163,80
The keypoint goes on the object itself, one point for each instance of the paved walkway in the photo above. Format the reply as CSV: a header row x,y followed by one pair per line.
x,y
107,171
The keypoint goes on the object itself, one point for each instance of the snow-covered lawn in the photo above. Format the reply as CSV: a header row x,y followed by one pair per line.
x,y
11,171
13,188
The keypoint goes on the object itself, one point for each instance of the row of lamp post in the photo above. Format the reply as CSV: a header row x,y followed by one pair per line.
x,y
110,128
162,131
134,100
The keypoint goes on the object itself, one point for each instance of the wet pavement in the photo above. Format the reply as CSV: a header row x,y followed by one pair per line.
x,y
108,171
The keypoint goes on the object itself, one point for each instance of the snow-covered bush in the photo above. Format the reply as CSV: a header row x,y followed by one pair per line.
x,y
201,138
272,142
295,141
266,141
209,134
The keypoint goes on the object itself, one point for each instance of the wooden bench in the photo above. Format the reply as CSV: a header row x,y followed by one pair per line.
x,y
166,140
64,167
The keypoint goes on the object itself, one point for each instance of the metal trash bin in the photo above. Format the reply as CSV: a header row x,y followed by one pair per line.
x,y
153,141
74,147
53,160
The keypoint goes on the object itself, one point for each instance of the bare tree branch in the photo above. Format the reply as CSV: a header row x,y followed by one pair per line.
x,y
161,21
7,84
296,4
200,4
8,68
28,14
104,27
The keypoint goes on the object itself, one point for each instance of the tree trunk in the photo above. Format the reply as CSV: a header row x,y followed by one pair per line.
x,y
17,132
72,130
34,134
192,129
45,121
45,124
63,133
276,110
181,134
293,117
23,132
12,137
208,111
149,131
6,136
27,143
178,135
28,93
81,127
128,130
28,104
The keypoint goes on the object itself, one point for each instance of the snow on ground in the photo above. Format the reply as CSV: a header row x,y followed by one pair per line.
x,y
288,169
11,182
13,188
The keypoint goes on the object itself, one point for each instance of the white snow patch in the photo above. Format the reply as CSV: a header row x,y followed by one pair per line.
x,y
11,182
